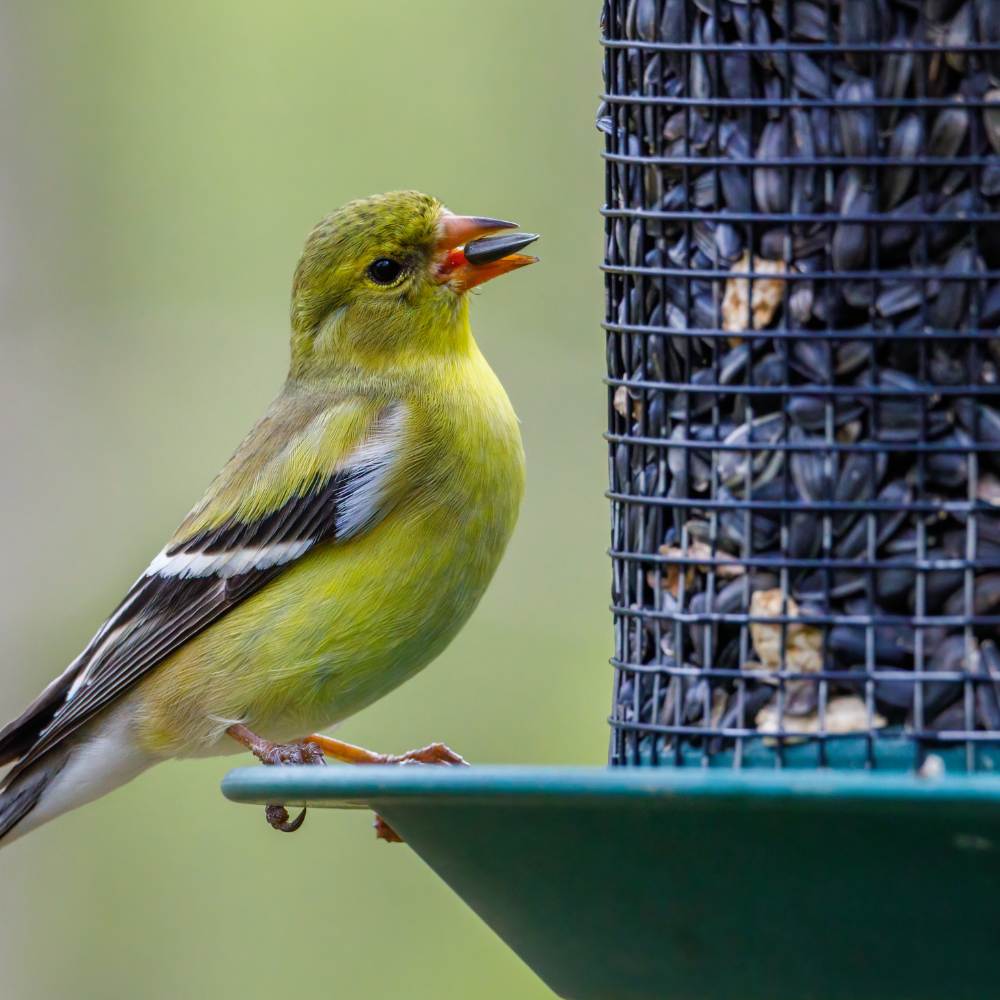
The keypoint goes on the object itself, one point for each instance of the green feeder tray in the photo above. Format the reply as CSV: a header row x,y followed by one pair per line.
x,y
702,883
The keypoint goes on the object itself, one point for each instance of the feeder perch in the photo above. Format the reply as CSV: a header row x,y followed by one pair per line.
x,y
802,266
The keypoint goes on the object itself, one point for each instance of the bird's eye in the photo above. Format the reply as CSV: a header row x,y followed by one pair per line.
x,y
384,271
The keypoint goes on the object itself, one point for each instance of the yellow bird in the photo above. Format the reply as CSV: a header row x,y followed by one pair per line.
x,y
338,551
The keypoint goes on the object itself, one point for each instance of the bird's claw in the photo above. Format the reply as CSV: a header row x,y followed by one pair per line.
x,y
276,754
277,816
385,832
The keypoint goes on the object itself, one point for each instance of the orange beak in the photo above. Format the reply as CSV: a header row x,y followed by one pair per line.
x,y
465,259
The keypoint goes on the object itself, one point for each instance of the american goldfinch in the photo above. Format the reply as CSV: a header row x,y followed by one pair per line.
x,y
338,551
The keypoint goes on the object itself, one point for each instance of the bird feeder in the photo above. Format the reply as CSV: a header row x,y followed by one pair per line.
x,y
802,266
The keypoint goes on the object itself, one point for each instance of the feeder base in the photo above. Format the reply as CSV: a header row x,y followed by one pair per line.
x,y
693,884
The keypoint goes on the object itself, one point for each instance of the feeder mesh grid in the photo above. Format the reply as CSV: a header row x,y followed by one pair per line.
x,y
802,270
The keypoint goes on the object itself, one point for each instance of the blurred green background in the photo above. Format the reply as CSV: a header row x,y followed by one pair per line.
x,y
162,165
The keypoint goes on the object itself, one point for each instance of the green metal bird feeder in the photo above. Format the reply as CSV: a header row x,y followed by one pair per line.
x,y
802,266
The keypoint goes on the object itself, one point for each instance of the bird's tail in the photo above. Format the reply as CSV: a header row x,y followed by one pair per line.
x,y
89,764
21,796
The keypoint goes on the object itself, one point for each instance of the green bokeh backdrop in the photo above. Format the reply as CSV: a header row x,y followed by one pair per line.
x,y
162,164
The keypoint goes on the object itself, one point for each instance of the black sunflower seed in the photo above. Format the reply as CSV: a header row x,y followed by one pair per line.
x,y
493,248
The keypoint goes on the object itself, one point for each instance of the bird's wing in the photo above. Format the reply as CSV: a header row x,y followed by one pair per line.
x,y
308,473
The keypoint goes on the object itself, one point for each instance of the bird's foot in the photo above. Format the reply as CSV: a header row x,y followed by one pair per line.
x,y
304,752
433,753
385,832
267,752
277,816
348,753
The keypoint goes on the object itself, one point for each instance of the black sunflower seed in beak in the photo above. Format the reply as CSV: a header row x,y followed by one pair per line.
x,y
493,248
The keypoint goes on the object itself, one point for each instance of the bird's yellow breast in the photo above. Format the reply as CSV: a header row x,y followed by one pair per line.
x,y
351,620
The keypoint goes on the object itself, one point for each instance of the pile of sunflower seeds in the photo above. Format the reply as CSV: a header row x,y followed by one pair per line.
x,y
803,278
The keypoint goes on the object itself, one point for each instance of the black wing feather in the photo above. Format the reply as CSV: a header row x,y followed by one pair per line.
x,y
161,613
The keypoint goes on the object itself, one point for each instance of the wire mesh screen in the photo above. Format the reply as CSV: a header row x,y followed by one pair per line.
x,y
803,299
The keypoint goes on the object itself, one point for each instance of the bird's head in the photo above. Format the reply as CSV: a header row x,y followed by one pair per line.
x,y
384,279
